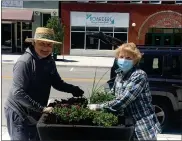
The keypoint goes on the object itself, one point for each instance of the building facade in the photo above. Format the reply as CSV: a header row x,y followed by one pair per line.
x,y
21,18
144,23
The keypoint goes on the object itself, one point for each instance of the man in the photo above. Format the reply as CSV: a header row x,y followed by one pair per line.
x,y
33,75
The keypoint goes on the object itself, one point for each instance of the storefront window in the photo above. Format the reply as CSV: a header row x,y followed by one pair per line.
x,y
104,46
26,26
77,40
92,28
6,38
106,29
78,28
120,29
121,36
26,34
91,43
45,18
81,41
18,34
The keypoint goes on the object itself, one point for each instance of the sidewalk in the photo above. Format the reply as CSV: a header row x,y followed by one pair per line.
x,y
5,136
71,61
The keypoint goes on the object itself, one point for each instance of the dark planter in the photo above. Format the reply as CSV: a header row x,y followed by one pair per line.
x,y
81,132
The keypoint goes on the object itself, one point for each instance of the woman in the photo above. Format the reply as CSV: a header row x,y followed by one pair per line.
x,y
133,94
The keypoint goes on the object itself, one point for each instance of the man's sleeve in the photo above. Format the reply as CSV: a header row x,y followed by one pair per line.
x,y
58,83
132,90
21,79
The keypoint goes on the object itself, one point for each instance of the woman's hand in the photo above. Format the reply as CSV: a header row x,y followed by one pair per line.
x,y
48,110
95,107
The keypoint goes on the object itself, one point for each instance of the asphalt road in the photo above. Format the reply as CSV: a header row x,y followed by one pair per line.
x,y
82,77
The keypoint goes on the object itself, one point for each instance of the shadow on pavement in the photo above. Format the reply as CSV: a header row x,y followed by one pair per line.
x,y
65,60
175,129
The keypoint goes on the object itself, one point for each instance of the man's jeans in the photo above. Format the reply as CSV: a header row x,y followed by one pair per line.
x,y
18,129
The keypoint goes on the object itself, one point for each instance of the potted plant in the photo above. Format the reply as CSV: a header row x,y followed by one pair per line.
x,y
72,120
58,27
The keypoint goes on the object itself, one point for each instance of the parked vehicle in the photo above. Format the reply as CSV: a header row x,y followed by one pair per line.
x,y
163,66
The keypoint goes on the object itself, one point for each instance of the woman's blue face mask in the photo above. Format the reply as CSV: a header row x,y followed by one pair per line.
x,y
125,64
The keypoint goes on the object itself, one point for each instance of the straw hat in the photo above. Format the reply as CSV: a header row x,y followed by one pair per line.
x,y
43,34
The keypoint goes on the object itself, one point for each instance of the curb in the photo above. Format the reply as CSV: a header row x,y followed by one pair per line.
x,y
59,65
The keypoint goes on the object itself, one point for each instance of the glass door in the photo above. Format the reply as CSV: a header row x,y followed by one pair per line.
x,y
168,40
6,39
157,40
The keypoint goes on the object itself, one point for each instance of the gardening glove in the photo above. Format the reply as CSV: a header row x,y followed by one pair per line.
x,y
95,107
77,92
48,110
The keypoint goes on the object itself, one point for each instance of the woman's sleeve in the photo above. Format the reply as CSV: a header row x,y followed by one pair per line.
x,y
131,92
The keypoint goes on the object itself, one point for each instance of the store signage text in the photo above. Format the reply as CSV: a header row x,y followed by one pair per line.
x,y
99,19
12,3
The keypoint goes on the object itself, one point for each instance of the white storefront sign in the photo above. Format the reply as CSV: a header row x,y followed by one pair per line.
x,y
100,19
12,3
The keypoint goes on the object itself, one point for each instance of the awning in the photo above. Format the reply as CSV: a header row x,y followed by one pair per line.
x,y
17,15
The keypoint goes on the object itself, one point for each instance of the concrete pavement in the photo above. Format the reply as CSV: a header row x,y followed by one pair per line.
x,y
73,61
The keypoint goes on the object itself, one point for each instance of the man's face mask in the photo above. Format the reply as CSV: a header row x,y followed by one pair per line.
x,y
125,64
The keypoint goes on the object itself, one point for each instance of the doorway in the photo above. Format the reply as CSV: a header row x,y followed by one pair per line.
x,y
164,37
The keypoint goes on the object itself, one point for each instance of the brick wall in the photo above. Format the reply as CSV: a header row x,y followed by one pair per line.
x,y
141,14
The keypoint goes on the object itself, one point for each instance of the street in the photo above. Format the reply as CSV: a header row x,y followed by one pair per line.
x,y
82,77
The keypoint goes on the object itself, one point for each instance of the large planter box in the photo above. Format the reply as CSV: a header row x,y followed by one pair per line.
x,y
81,132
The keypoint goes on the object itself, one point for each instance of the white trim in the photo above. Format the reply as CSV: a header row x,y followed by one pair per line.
x,y
7,22
136,1
155,2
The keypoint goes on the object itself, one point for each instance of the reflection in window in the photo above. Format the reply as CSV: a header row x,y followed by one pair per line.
x,y
91,43
26,26
77,40
119,29
121,36
6,32
78,28
26,34
152,65
104,46
178,39
174,67
18,34
92,28
45,18
106,29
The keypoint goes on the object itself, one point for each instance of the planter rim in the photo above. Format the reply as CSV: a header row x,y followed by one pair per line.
x,y
73,125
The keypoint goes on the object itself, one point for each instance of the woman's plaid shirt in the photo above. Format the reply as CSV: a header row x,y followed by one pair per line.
x,y
133,94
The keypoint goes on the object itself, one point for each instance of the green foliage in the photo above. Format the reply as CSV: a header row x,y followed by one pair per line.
x,y
77,114
54,23
98,95
101,97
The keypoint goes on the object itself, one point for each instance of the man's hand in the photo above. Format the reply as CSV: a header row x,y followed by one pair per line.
x,y
95,107
77,92
48,110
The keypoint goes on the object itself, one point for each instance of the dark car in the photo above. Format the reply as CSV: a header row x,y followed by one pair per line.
x,y
163,66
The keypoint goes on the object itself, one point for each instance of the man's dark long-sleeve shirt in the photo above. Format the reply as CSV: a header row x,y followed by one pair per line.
x,y
32,81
